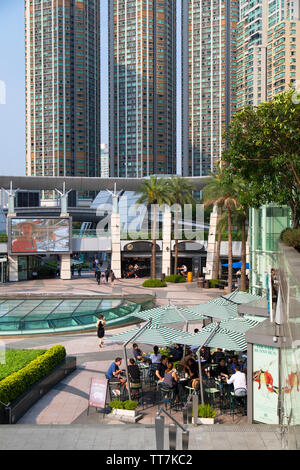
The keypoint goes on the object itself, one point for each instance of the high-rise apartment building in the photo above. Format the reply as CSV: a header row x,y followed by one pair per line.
x,y
208,78
104,161
268,60
62,44
142,80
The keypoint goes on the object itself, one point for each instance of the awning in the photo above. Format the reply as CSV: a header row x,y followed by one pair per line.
x,y
225,339
238,325
239,297
237,265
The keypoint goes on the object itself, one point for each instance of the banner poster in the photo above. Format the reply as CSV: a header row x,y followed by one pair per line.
x,y
265,384
290,359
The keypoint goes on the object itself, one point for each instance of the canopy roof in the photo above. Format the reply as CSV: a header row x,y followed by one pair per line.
x,y
225,339
169,314
217,308
239,297
156,335
238,325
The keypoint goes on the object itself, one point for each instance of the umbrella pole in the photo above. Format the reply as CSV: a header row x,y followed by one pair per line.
x,y
135,336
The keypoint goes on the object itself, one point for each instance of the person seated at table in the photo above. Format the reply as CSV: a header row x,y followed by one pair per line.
x,y
192,368
134,374
188,355
114,375
176,352
156,356
217,355
160,371
221,372
171,379
138,353
235,363
204,355
238,379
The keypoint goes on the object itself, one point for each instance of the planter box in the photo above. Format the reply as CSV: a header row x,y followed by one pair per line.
x,y
22,404
125,413
205,420
127,416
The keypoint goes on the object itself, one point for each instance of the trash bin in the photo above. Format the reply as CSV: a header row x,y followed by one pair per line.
x,y
206,284
190,277
201,282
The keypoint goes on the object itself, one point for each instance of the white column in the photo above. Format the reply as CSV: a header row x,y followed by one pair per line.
x,y
13,275
166,253
116,245
211,259
65,267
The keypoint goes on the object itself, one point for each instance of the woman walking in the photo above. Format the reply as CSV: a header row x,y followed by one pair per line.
x,y
112,278
100,330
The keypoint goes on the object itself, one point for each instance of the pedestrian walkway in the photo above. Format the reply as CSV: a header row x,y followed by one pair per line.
x,y
111,437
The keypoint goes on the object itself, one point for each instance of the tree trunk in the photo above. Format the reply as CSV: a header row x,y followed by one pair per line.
x,y
176,241
229,250
244,256
219,250
153,271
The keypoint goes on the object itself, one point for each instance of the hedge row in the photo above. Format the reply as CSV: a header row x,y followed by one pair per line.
x,y
291,237
176,278
17,383
154,283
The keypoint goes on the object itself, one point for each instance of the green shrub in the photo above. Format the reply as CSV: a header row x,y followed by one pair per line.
x,y
17,383
117,405
16,359
130,405
165,352
213,283
3,238
206,411
154,283
291,237
176,278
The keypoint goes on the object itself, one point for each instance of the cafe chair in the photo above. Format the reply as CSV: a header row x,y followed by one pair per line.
x,y
238,402
166,396
137,389
212,391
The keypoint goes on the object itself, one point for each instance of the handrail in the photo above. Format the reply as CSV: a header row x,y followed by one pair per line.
x,y
171,417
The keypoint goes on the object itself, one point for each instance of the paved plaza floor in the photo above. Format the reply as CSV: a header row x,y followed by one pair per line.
x,y
66,404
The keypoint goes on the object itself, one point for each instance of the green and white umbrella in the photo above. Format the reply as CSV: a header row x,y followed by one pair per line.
x,y
238,325
239,297
156,335
216,308
225,339
169,314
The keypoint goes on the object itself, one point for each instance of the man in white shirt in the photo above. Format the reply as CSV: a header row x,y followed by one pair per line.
x,y
239,382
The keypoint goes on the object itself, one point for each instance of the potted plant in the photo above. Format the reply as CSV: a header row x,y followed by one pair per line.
x,y
124,408
206,414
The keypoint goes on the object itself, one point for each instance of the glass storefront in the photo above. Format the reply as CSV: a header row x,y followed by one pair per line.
x,y
3,270
27,265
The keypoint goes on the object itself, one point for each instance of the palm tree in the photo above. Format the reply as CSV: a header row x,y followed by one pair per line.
x,y
153,191
180,193
221,191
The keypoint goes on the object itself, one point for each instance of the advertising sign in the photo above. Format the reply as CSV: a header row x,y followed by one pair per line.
x,y
38,235
265,384
98,391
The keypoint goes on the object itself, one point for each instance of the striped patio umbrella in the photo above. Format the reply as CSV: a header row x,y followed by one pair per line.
x,y
239,297
217,308
225,339
156,335
238,325
169,314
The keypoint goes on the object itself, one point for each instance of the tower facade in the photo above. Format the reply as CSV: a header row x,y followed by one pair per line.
x,y
142,81
62,47
208,78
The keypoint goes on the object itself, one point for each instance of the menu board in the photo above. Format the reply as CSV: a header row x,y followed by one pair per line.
x,y
98,392
265,384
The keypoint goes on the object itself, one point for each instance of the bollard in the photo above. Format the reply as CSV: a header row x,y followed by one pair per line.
x,y
185,416
195,408
189,413
160,432
172,436
185,440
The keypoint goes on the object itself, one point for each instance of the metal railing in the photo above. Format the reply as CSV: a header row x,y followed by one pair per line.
x,y
160,432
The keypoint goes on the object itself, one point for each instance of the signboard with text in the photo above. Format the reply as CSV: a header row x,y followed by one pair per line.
x,y
98,392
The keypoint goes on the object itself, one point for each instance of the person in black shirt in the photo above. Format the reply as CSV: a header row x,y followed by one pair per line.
x,y
176,353
138,353
221,371
134,372
217,356
160,371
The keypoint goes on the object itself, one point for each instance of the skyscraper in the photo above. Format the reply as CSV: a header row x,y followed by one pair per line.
x,y
62,48
142,80
208,78
267,49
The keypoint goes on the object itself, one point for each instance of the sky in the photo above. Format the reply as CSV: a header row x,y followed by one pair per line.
x,y
12,74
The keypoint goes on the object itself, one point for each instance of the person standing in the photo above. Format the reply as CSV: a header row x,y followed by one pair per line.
x,y
100,330
98,275
107,272
79,270
112,277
